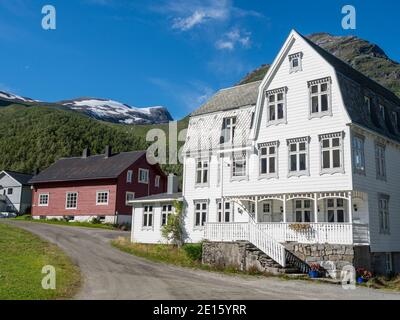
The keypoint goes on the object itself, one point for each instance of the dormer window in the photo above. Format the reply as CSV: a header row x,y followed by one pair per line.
x,y
367,104
320,97
295,62
276,109
382,111
395,119
228,129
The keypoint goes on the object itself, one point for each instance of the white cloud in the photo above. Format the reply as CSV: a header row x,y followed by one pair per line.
x,y
233,38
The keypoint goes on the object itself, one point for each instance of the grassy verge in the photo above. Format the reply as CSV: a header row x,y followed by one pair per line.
x,y
22,257
391,284
107,226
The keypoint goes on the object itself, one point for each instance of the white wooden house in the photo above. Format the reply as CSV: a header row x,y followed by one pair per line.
x,y
15,192
309,155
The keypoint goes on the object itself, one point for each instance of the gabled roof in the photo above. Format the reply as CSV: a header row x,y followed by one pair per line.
x,y
90,168
22,178
231,98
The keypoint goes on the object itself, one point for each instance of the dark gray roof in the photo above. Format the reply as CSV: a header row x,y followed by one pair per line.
x,y
22,178
231,98
91,168
160,197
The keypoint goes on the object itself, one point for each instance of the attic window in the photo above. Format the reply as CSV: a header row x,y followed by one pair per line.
x,y
382,111
295,62
228,129
367,103
320,97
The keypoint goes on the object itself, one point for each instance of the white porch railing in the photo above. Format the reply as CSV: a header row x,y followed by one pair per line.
x,y
249,232
332,233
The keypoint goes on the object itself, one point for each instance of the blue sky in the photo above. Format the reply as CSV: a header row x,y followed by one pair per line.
x,y
174,53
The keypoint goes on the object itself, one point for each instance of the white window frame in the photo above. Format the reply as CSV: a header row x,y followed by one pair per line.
x,y
319,83
148,212
129,176
274,98
147,176
358,151
165,214
157,181
297,153
382,112
367,103
40,204
10,193
380,160
228,212
126,196
267,158
336,208
97,197
388,262
296,56
203,214
236,158
331,149
202,167
66,200
384,215
228,129
302,210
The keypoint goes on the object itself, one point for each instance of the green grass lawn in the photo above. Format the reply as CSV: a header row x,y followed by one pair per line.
x,y
107,226
22,257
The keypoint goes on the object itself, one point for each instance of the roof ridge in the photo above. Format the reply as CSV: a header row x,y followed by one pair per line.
x,y
239,85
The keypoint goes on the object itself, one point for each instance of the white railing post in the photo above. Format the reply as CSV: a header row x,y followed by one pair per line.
x,y
315,207
350,197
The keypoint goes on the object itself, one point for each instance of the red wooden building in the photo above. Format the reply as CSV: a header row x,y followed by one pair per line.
x,y
99,186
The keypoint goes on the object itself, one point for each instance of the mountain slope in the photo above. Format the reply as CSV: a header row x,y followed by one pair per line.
x,y
100,109
362,55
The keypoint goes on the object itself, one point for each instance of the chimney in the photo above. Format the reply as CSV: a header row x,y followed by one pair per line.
x,y
36,172
86,153
108,152
172,186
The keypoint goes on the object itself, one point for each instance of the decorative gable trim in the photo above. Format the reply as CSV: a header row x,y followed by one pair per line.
x,y
318,81
278,90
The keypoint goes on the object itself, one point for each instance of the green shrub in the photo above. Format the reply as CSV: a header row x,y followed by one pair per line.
x,y
96,220
194,251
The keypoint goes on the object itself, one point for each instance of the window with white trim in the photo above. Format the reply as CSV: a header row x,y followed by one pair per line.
x,y
143,176
395,119
380,161
43,200
129,176
382,111
331,152
202,166
298,156
102,197
129,196
384,219
303,210
157,181
276,108
268,155
228,129
200,213
10,191
224,216
320,97
358,154
166,211
367,104
148,216
239,164
335,210
388,263
295,62
71,200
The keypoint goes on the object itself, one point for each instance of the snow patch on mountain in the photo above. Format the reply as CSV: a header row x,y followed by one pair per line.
x,y
11,96
114,111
